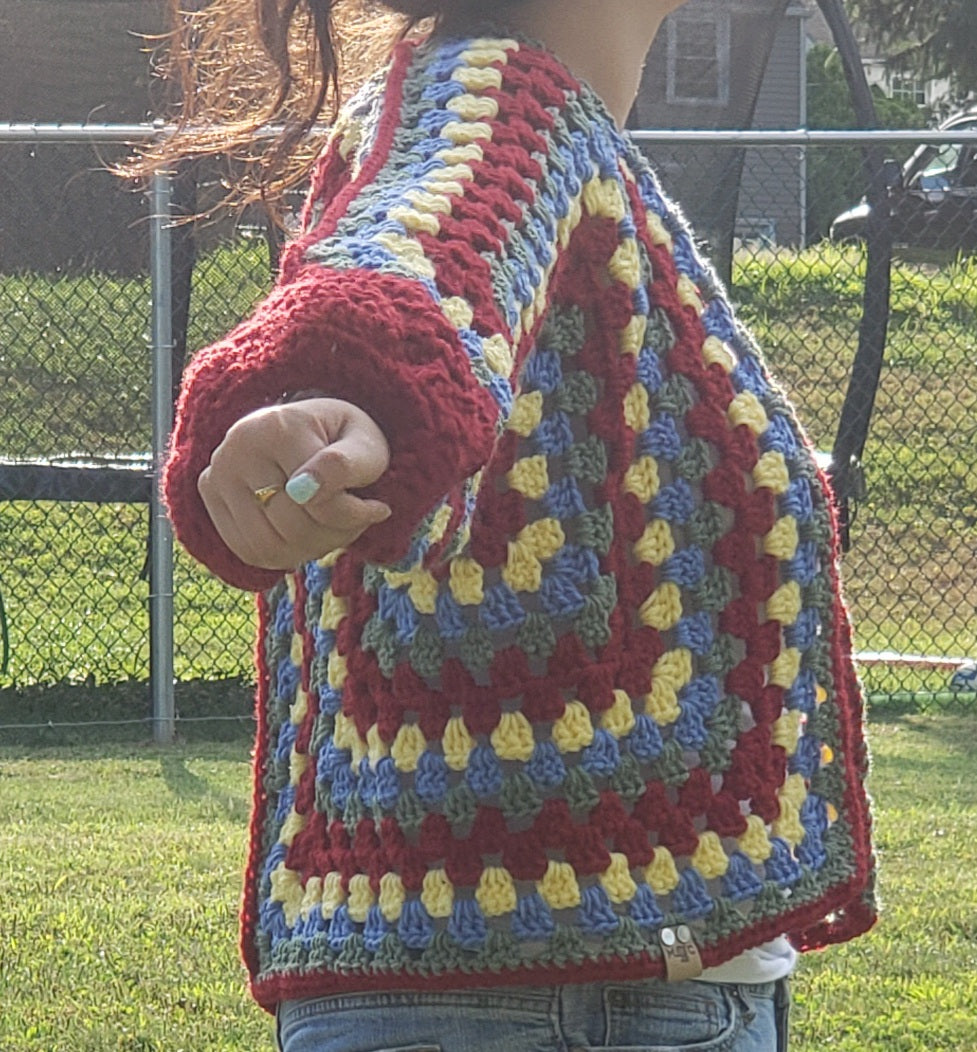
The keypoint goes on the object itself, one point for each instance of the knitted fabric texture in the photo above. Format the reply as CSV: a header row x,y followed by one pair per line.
x,y
593,677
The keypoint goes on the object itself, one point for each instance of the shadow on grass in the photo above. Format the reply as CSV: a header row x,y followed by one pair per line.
x,y
86,714
955,732
193,788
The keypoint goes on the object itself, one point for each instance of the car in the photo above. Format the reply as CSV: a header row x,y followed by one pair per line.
x,y
932,198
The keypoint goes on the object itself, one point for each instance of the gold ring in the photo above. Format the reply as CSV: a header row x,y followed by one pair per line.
x,y
263,495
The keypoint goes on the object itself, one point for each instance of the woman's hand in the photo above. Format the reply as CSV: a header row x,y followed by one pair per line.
x,y
321,448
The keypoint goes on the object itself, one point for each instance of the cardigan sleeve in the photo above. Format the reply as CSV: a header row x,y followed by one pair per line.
x,y
415,293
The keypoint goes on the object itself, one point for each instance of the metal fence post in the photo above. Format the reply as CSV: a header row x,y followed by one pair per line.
x,y
161,536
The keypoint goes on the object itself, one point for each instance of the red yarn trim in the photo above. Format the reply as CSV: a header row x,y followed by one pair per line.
x,y
856,914
259,799
386,129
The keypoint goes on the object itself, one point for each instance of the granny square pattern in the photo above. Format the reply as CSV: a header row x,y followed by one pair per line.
x,y
593,679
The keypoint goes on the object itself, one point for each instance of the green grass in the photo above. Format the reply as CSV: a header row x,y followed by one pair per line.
x,y
77,602
910,574
120,889
75,352
120,883
75,364
911,984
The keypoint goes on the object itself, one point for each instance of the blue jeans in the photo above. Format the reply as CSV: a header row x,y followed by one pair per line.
x,y
642,1016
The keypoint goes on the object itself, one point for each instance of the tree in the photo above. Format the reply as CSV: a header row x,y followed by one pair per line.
x,y
835,173
931,39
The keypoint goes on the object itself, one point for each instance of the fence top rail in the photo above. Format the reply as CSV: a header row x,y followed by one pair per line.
x,y
805,137
27,132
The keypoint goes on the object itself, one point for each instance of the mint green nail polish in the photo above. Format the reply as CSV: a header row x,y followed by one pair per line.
x,y
302,488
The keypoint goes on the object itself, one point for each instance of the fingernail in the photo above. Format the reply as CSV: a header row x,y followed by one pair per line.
x,y
302,488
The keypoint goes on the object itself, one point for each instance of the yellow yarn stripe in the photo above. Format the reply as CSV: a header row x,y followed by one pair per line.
x,y
487,52
333,895
771,472
457,744
513,737
334,610
663,608
625,264
407,748
688,294
527,414
558,887
475,79
602,198
474,107
360,898
785,667
754,842
298,762
286,888
336,670
709,858
619,719
715,352
785,603
745,408
437,893
661,873
299,707
633,335
641,479
391,898
466,581
496,891
637,414
312,896
530,476
574,730
656,544
617,881
783,539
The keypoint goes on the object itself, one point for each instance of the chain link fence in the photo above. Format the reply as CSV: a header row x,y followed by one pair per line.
x,y
75,368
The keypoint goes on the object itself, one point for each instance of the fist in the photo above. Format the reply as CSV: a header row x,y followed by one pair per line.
x,y
280,488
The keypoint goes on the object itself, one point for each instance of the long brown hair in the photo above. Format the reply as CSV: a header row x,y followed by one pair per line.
x,y
234,67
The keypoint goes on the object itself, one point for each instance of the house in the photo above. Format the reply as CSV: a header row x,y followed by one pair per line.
x,y
773,189
934,94
730,64
741,64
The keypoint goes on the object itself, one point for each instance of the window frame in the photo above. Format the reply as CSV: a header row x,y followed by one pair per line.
x,y
721,20
907,88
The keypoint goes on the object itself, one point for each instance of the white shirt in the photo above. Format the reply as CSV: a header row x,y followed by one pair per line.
x,y
763,964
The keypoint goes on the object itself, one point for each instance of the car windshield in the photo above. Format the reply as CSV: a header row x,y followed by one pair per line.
x,y
943,167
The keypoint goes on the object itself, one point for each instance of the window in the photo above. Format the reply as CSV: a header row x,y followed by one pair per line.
x,y
698,58
908,89
938,173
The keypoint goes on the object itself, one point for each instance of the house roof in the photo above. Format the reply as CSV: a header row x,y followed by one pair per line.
x,y
816,27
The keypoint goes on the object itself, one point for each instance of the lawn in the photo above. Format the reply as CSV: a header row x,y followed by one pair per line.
x,y
909,574
75,367
120,877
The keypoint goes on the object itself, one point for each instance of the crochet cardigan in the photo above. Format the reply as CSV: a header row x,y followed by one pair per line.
x,y
590,686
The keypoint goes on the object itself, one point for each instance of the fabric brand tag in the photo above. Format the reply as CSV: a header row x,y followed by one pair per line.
x,y
680,953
